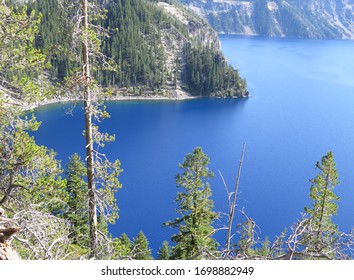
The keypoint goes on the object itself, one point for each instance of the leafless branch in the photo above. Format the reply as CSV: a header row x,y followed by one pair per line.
x,y
233,203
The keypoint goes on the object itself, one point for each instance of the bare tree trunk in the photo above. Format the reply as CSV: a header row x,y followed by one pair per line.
x,y
322,208
233,204
88,136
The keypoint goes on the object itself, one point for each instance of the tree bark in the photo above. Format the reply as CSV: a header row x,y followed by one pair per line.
x,y
88,135
233,204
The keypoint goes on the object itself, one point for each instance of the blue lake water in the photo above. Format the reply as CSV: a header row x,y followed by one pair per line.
x,y
302,106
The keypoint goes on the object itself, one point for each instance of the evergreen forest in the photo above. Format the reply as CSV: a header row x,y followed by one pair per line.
x,y
54,212
144,68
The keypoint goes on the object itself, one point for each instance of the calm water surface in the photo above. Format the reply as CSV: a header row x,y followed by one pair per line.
x,y
301,107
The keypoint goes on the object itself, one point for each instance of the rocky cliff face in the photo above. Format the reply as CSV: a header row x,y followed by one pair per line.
x,y
198,29
195,58
198,32
290,18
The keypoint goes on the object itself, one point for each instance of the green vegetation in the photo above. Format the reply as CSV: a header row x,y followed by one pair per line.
x,y
144,68
122,247
322,233
194,239
77,212
207,72
144,64
57,214
21,64
165,251
140,249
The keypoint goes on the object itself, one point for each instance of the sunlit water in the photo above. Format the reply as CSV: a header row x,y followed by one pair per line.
x,y
301,107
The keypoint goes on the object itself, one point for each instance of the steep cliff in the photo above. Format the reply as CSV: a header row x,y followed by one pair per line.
x,y
195,58
331,19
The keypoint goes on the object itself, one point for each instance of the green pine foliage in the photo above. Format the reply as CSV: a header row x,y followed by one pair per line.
x,y
31,187
134,45
122,247
325,202
322,229
21,63
207,72
77,212
55,36
32,190
51,206
165,251
140,248
129,23
246,243
29,173
195,209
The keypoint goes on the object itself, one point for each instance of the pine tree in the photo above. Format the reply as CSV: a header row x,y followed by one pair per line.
x,y
78,203
21,63
88,110
315,235
30,184
102,174
122,247
141,250
125,240
164,252
322,229
194,239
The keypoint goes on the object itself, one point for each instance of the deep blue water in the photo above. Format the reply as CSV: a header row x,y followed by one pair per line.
x,y
301,107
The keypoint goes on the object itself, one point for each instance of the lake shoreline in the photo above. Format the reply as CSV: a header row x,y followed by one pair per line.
x,y
64,100
286,124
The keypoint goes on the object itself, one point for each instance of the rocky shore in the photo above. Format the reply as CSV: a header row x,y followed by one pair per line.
x,y
173,95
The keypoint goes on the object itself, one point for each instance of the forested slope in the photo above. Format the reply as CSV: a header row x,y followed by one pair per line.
x,y
46,49
156,48
44,206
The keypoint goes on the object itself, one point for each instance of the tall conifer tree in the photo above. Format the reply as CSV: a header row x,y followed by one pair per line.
x,y
141,250
164,252
316,236
324,206
77,203
195,208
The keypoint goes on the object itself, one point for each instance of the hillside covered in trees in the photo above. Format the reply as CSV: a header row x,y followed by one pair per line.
x,y
50,49
50,211
156,48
